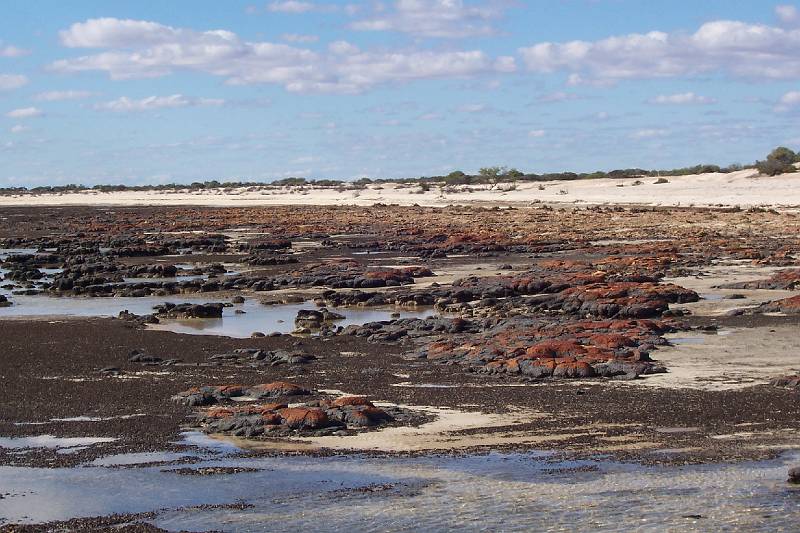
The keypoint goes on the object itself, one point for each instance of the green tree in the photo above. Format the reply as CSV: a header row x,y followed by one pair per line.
x,y
492,174
457,178
780,161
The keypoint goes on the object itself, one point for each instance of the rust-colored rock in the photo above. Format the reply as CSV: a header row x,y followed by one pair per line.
x,y
277,389
352,400
303,417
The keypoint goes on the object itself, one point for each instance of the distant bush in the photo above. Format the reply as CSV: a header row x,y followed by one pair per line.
x,y
457,178
780,161
659,181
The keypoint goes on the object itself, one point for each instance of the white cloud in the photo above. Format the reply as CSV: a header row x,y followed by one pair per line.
x,y
18,128
299,38
433,18
472,108
558,96
25,112
13,51
290,6
787,14
791,98
788,101
141,49
343,48
734,48
9,82
56,96
649,133
152,103
536,133
689,98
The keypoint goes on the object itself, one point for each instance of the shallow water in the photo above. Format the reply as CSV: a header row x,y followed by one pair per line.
x,y
256,317
5,252
50,441
276,318
497,492
42,305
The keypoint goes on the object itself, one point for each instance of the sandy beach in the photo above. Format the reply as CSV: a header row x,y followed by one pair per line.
x,y
742,188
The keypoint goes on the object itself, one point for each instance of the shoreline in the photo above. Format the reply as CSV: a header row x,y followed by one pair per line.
x,y
742,188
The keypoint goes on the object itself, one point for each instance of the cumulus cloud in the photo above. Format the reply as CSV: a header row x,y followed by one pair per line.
x,y
124,104
433,18
558,96
689,98
25,112
738,49
472,108
788,101
18,128
536,133
57,96
290,6
787,14
649,133
142,49
12,51
10,82
299,38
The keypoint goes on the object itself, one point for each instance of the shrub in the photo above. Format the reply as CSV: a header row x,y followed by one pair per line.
x,y
780,161
457,178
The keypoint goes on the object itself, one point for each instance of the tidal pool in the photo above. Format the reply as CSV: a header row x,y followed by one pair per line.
x,y
255,317
494,492
276,318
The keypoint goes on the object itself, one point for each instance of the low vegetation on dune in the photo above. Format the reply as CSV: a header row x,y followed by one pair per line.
x,y
781,160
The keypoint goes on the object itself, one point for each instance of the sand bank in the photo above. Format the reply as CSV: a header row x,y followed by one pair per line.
x,y
743,188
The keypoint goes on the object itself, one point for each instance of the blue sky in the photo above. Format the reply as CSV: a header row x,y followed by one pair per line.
x,y
149,92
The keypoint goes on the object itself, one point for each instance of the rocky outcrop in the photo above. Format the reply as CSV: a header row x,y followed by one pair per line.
x,y
787,280
213,394
314,319
276,418
257,357
789,382
189,310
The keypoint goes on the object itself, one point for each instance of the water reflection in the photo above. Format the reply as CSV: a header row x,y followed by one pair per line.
x,y
497,492
252,315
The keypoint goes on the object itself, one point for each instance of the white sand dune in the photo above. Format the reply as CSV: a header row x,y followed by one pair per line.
x,y
743,188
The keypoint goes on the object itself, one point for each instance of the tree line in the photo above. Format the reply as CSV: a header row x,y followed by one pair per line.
x,y
780,161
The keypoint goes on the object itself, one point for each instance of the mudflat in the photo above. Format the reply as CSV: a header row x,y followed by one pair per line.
x,y
654,335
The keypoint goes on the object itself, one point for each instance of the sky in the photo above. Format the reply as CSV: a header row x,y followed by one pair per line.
x,y
179,91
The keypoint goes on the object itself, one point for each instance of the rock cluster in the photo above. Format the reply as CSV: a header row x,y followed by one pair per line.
x,y
787,306
316,417
315,319
257,357
535,348
789,382
277,418
338,274
787,280
189,310
213,394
